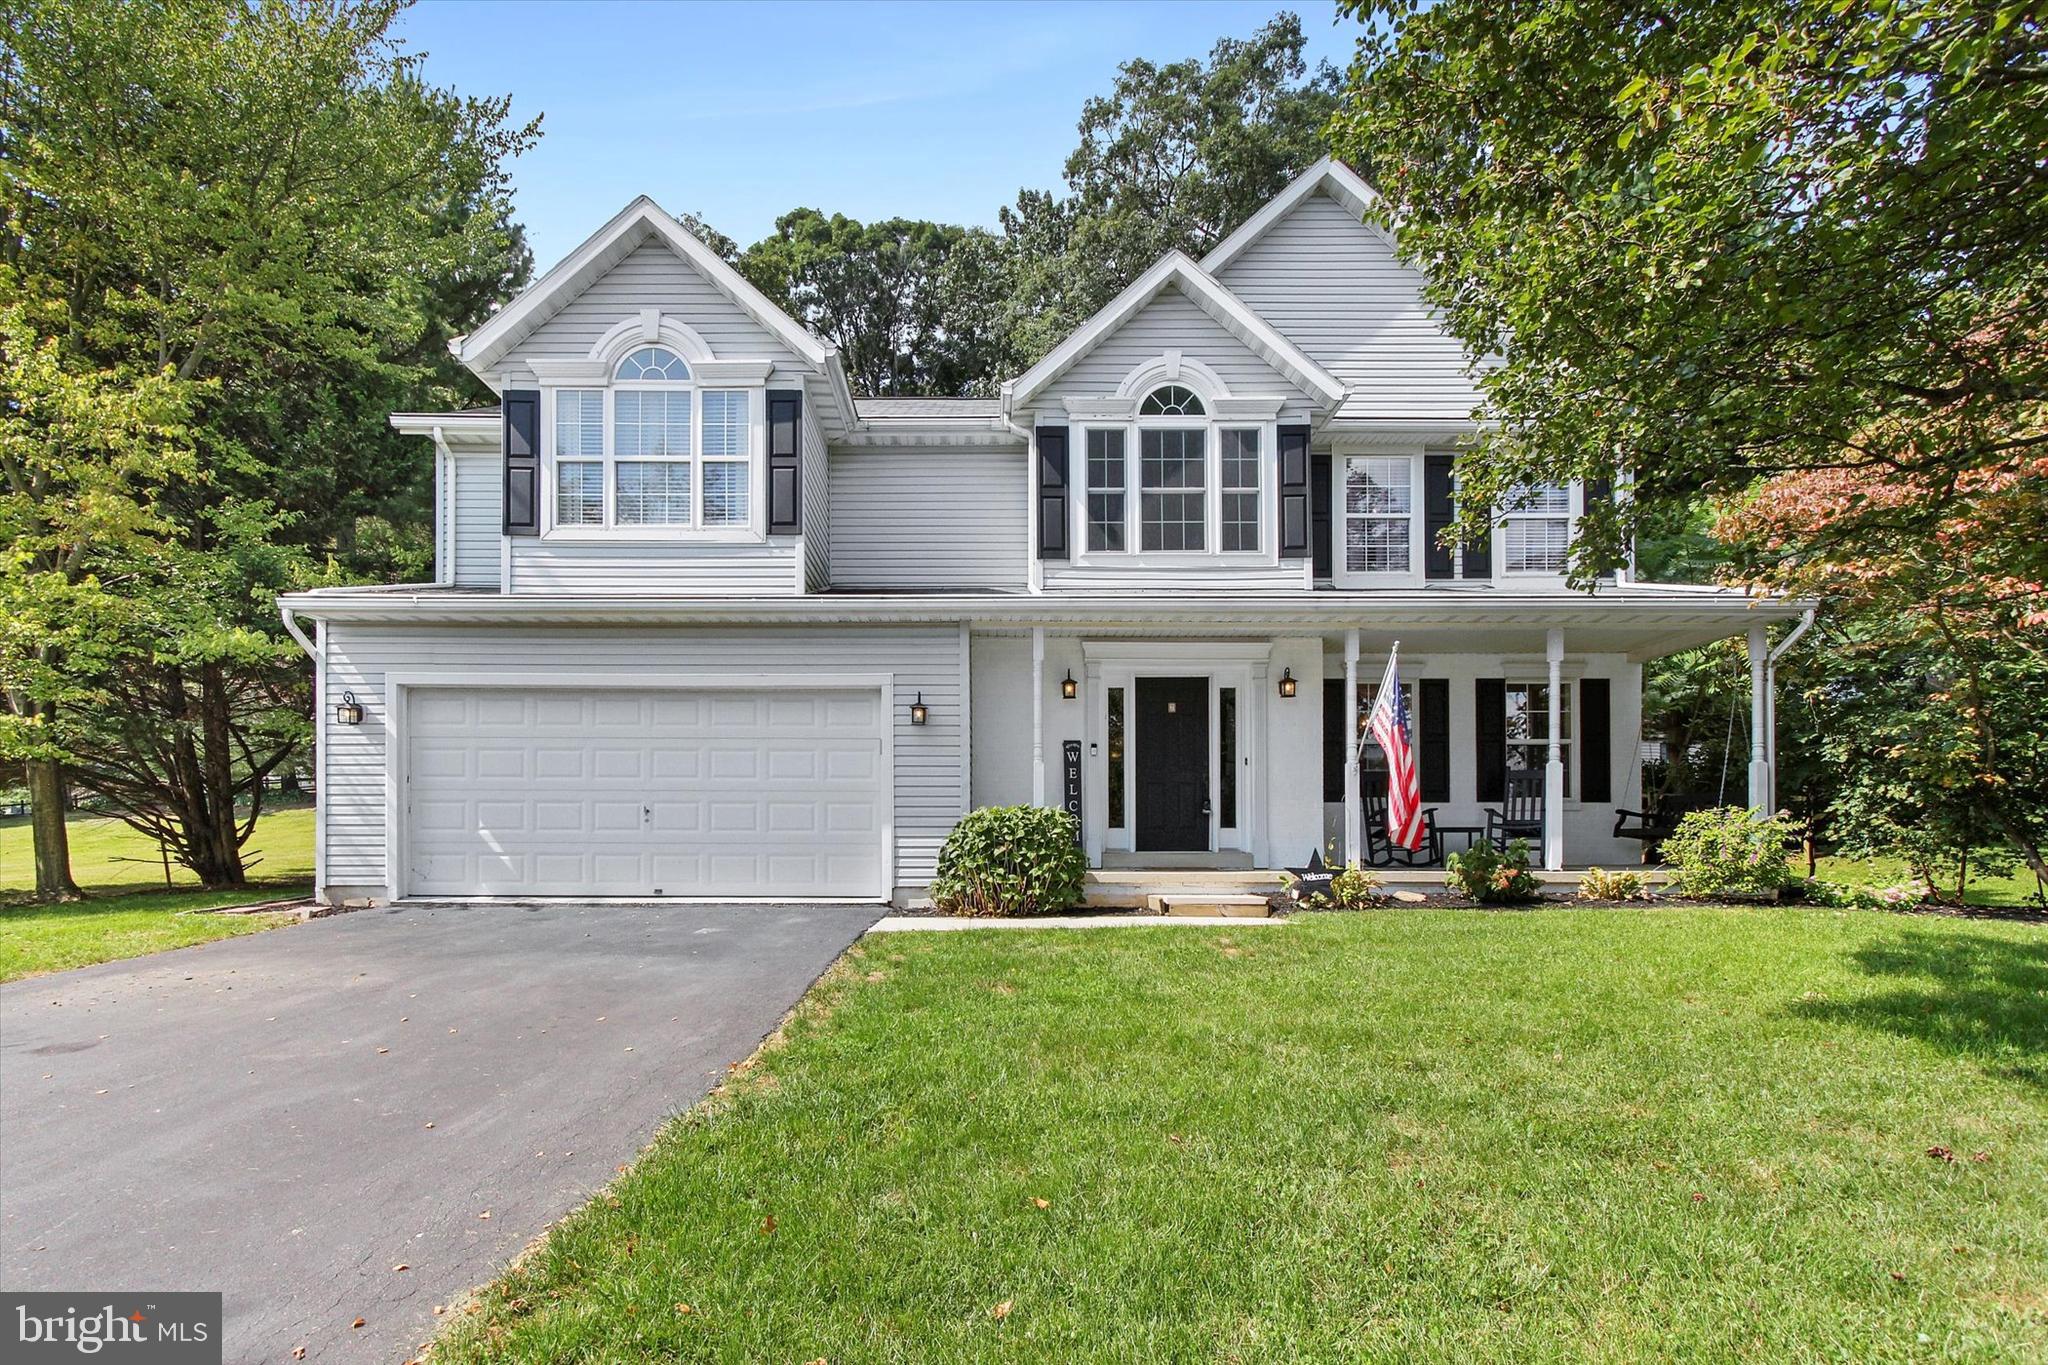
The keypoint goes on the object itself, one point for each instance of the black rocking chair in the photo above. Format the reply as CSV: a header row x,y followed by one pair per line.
x,y
1521,814
1380,848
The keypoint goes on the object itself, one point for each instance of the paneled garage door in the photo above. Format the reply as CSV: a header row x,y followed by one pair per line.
x,y
761,792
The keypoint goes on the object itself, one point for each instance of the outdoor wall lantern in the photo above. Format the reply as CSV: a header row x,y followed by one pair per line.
x,y
1069,689
1287,683
918,713
348,711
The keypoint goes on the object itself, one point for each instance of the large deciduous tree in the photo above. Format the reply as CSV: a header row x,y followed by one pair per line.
x,y
236,236
1714,241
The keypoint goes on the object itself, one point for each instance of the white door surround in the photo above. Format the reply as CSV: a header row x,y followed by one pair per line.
x,y
1240,665
810,758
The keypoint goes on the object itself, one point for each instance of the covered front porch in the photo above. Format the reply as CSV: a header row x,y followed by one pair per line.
x,y
1219,746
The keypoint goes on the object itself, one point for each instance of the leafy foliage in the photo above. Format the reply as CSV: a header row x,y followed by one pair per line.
x,y
1601,885
1011,860
1493,876
1714,241
1728,852
237,237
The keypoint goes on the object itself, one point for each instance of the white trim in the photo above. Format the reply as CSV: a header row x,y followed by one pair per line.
x,y
1202,289
320,737
966,721
648,328
400,682
1342,183
639,220
1173,368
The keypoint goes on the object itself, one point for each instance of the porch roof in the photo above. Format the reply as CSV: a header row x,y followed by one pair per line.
x,y
1640,620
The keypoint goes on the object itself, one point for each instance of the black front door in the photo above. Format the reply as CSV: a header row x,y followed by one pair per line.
x,y
1173,764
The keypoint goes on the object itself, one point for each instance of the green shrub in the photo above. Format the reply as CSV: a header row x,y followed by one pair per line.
x,y
1729,852
1354,888
1600,885
1492,876
1845,896
1011,860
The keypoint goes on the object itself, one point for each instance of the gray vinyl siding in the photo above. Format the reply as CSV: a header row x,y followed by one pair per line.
x,y
817,508
479,520
1334,287
1286,576
1172,322
929,517
752,569
928,773
652,276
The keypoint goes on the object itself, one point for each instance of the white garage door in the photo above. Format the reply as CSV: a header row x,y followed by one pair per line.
x,y
760,792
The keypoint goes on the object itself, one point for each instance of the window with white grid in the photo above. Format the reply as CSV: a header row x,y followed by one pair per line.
x,y
1536,528
653,450
1106,496
1239,519
1379,513
1173,502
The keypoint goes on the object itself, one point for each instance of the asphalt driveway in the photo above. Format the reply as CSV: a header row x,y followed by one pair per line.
x,y
363,1116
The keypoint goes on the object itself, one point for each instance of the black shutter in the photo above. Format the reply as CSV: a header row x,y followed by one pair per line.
x,y
785,462
1052,493
522,462
1437,561
1319,514
1596,743
1433,700
1294,494
1333,740
1598,491
1479,553
1490,726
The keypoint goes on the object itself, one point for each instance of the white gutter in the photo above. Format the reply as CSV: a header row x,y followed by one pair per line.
x,y
291,626
318,654
1771,697
444,509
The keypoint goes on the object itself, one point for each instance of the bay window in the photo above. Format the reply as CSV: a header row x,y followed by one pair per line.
x,y
653,449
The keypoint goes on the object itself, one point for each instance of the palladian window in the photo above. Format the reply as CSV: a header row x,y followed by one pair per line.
x,y
1194,486
653,449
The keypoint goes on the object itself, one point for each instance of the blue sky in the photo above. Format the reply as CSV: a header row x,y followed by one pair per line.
x,y
740,112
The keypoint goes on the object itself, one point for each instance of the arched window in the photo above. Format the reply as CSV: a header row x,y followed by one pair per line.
x,y
1171,400
654,450
652,362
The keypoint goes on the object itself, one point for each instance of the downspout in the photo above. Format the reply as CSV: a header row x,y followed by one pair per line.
x,y
444,510
1771,697
1033,572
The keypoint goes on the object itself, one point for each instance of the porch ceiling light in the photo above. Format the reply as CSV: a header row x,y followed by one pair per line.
x,y
1288,686
1069,689
348,711
918,713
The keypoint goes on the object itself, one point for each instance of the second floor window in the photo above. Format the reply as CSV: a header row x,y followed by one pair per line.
x,y
1536,528
653,449
1379,509
1191,486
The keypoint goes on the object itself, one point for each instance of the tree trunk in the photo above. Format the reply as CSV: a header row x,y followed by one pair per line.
x,y
216,853
47,803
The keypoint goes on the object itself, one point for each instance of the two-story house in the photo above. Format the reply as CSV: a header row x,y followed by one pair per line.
x,y
707,624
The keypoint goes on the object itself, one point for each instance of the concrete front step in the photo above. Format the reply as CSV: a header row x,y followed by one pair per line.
x,y
1210,905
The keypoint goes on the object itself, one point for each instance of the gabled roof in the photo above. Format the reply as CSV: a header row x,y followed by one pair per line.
x,y
1176,269
638,222
1329,175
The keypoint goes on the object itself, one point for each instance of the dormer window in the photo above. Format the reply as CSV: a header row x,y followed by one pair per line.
x,y
653,450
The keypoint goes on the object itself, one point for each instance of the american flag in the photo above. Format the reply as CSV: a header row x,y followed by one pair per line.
x,y
1388,724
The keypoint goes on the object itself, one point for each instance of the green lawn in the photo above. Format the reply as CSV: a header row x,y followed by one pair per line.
x,y
107,857
128,913
1443,1135
2016,889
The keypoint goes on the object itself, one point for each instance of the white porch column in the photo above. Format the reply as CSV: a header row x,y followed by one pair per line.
x,y
1038,715
1553,768
1759,707
1354,836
